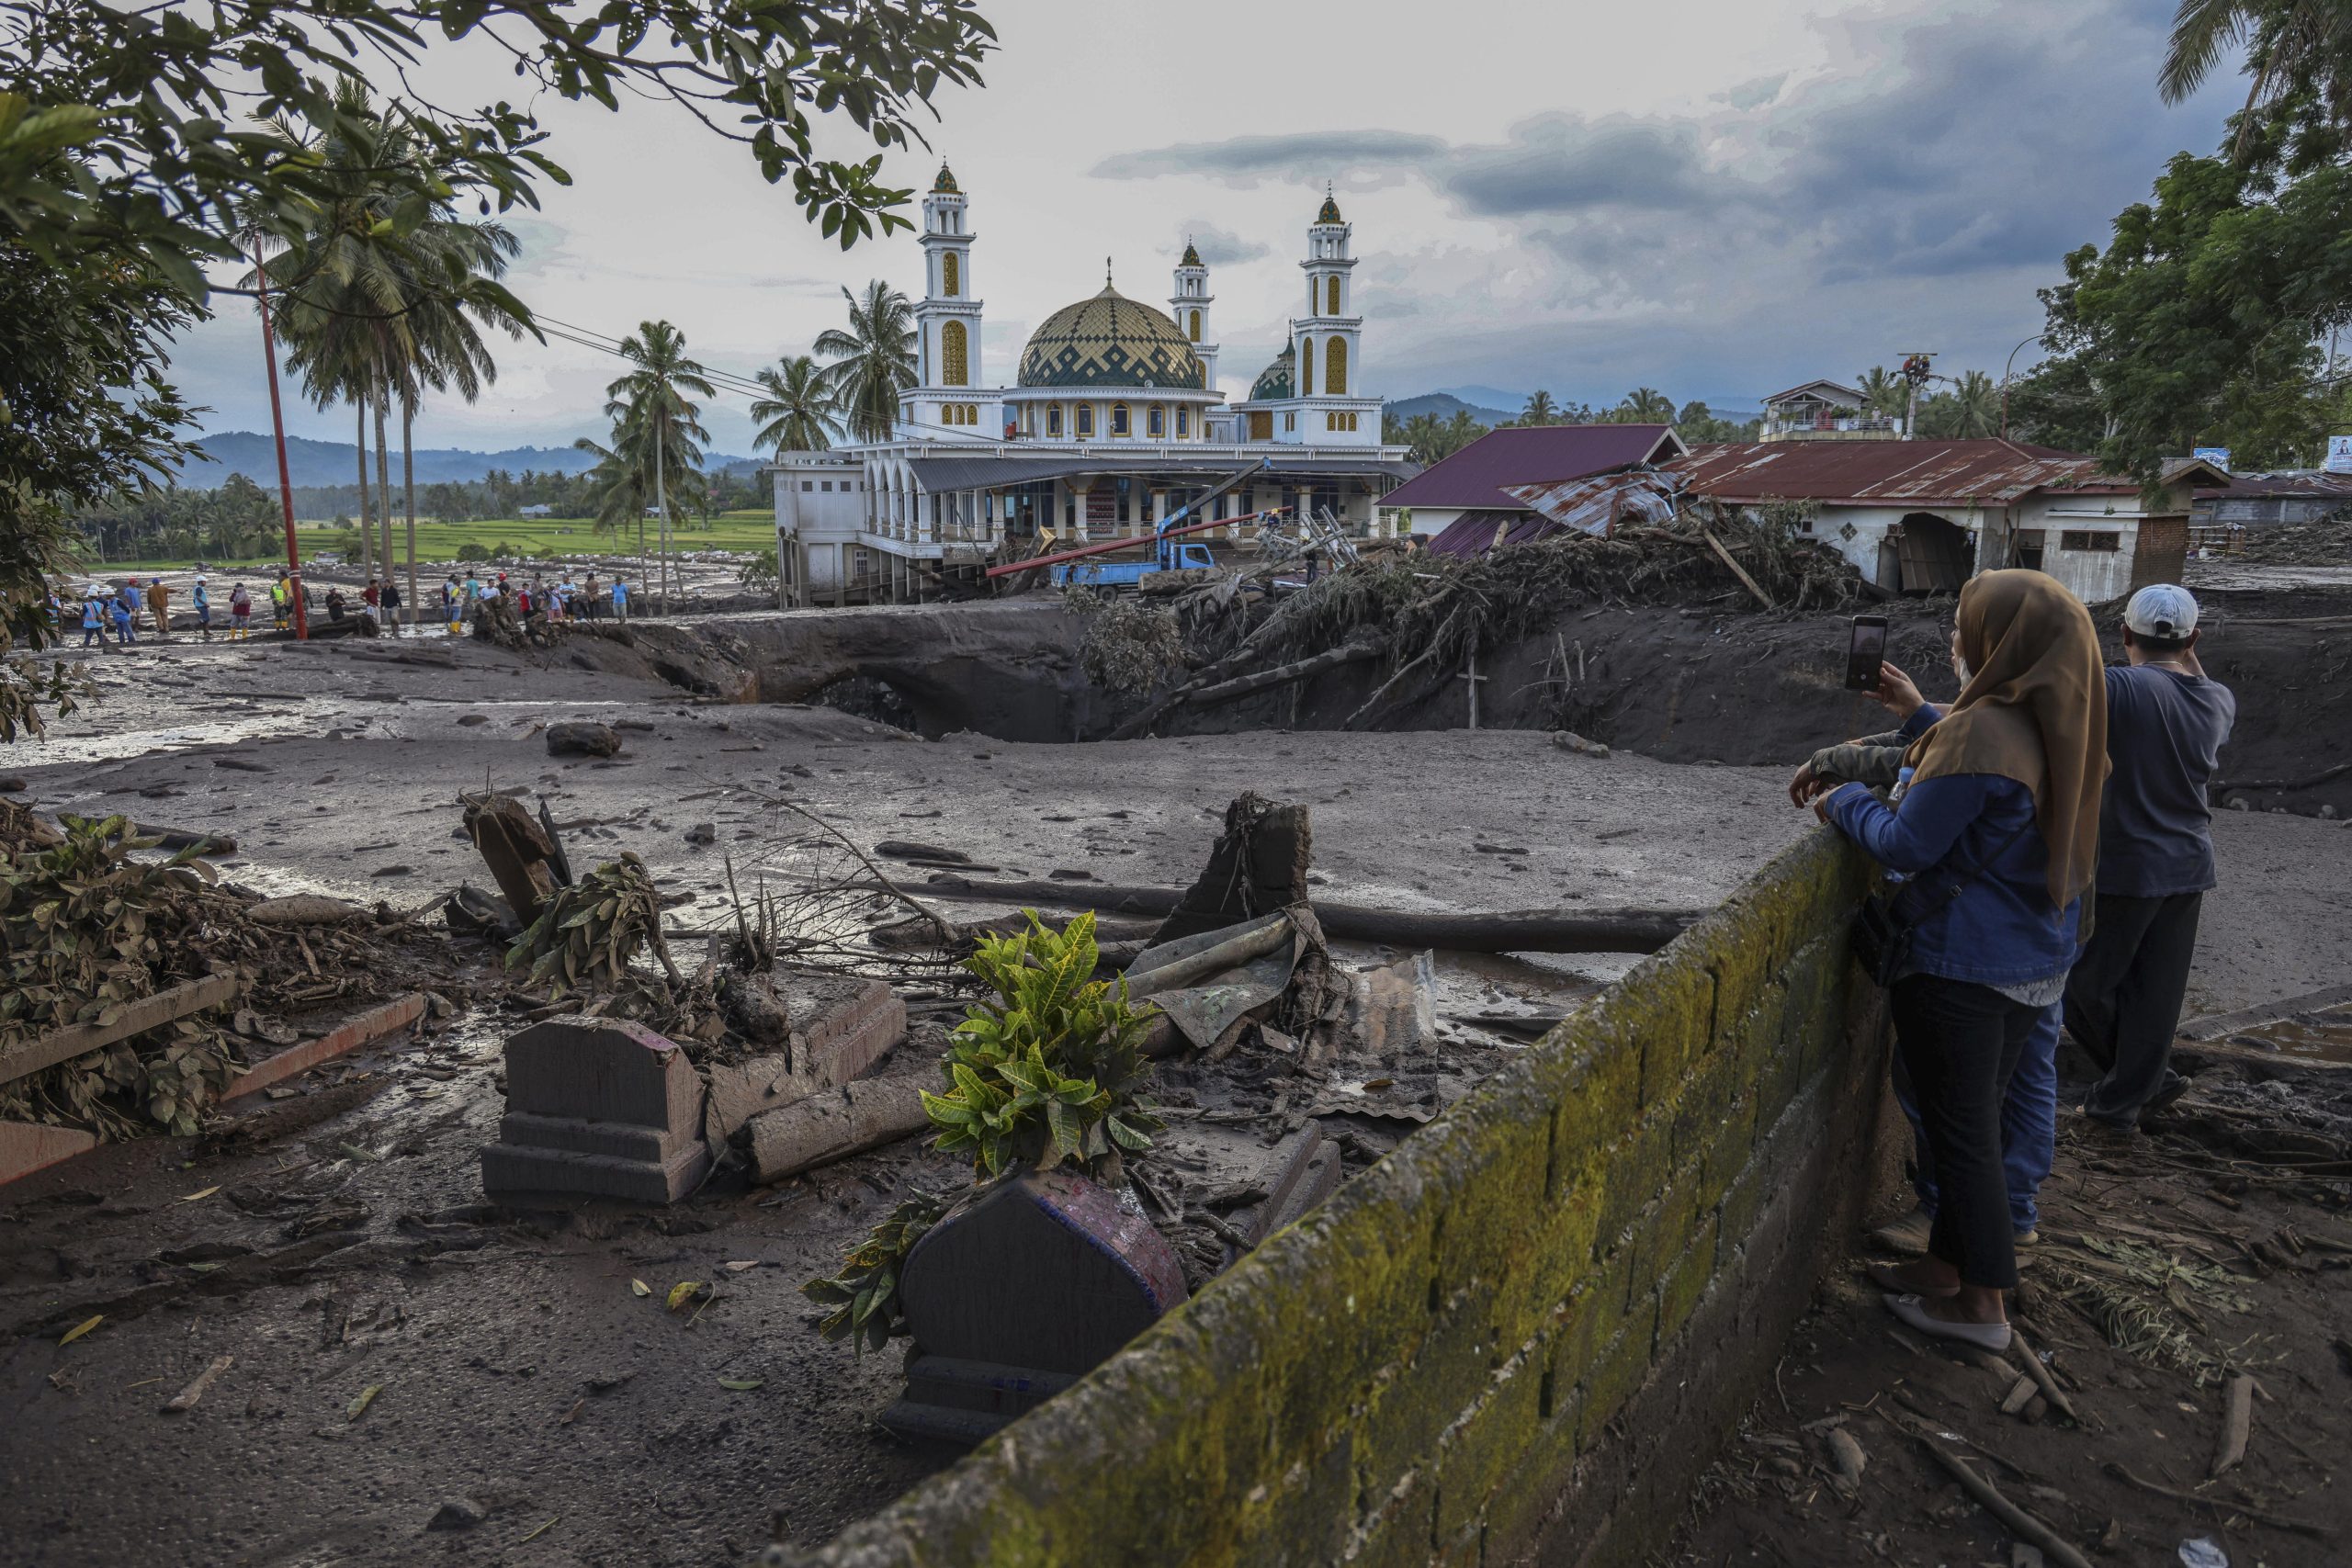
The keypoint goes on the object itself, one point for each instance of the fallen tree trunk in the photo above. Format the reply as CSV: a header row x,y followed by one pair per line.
x,y
1282,675
832,1125
1520,931
1202,689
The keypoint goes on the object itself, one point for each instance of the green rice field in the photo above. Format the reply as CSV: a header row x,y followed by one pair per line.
x,y
741,530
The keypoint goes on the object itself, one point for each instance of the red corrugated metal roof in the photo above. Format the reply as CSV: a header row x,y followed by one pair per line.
x,y
1937,472
1475,477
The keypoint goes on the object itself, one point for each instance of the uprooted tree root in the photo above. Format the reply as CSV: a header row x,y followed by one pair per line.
x,y
1430,613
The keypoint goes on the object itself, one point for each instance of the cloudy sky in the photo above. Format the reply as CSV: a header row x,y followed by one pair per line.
x,y
1717,197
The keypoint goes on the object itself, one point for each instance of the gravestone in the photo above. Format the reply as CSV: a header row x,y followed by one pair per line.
x,y
1021,1291
600,1107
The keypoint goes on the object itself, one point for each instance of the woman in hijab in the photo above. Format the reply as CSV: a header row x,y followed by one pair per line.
x,y
1995,832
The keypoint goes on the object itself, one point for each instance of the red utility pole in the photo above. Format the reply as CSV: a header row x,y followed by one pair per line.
x,y
277,428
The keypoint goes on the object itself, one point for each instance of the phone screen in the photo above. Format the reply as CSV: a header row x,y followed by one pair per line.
x,y
1865,652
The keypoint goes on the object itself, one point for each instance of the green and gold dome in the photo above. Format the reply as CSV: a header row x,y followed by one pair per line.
x,y
1276,380
1110,340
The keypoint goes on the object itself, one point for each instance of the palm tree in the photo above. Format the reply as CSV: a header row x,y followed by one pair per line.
x,y
2292,42
1644,405
1976,406
382,307
656,435
1884,391
1540,410
798,409
873,362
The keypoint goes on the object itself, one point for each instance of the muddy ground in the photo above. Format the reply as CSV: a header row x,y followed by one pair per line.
x,y
516,1365
2242,1265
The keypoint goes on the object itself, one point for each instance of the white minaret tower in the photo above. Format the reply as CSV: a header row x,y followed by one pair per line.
x,y
1189,306
947,321
1327,336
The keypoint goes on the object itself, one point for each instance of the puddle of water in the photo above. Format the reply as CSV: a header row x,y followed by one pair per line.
x,y
2320,1036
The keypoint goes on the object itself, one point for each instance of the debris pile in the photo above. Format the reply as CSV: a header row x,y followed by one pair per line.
x,y
1423,616
120,972
2327,542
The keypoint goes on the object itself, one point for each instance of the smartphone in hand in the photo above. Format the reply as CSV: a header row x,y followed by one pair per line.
x,y
1865,651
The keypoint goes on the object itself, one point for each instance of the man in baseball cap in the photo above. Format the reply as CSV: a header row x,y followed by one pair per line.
x,y
2166,724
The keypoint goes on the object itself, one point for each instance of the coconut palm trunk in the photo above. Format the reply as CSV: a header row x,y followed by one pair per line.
x,y
366,532
384,483
408,483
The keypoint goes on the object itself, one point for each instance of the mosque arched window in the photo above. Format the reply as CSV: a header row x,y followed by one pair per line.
x,y
1306,367
1335,367
1196,326
954,369
1155,422
1054,419
1084,422
1330,290
1121,423
950,276
1183,423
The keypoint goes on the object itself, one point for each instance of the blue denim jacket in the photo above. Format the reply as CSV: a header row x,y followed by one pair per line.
x,y
2002,930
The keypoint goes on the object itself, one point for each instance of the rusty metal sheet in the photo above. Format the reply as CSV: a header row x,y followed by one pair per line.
x,y
1982,472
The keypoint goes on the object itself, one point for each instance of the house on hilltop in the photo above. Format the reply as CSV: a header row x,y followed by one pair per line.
x,y
1924,517
1824,410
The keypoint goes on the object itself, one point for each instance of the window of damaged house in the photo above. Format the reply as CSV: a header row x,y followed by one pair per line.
x,y
2089,539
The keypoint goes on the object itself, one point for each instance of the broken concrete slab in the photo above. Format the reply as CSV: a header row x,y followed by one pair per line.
x,y
832,1125
842,1025
1306,1168
1047,1271
28,1147
597,1107
347,1037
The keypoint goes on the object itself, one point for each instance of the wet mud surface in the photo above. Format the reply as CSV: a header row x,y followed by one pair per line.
x,y
343,1242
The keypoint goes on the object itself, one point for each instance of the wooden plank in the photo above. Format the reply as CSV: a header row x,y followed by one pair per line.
x,y
1736,570
148,1012
28,1147
373,1025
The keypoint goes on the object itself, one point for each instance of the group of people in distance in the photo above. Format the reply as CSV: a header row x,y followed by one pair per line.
x,y
2049,836
564,599
110,616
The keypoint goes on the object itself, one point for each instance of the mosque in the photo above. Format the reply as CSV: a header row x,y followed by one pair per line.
x,y
1113,421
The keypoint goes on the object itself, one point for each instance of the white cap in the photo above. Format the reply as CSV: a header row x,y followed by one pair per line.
x,y
2161,609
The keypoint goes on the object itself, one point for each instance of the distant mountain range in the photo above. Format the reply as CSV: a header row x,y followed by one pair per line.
x,y
337,462
1445,405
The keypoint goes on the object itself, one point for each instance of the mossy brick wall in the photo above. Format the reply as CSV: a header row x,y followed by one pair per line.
x,y
1520,1336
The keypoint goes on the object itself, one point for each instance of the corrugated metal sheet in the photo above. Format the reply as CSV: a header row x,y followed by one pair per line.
x,y
1929,472
1547,454
2291,484
1594,505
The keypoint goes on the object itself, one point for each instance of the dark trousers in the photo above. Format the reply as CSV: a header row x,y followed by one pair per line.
x,y
1960,1044
2123,997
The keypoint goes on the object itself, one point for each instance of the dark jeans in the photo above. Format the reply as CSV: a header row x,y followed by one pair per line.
x,y
1960,1044
2124,999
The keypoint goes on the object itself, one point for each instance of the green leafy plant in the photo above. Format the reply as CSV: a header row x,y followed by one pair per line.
x,y
589,934
865,1294
1050,1070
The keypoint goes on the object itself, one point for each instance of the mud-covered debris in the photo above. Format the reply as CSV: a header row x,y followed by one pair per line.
x,y
305,910
582,737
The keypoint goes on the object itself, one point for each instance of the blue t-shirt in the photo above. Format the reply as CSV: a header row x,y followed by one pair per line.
x,y
2164,729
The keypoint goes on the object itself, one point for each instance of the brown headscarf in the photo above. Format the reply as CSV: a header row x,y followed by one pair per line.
x,y
2034,710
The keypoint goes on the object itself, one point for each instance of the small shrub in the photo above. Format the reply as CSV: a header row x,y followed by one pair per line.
x,y
1051,1071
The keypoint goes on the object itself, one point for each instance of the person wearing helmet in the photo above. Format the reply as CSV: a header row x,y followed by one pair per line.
x,y
202,599
94,617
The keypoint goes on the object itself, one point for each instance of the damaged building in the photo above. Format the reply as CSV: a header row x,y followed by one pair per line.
x,y
1924,517
1113,423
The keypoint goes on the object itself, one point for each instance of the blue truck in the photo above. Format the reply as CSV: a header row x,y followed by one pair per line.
x,y
1168,555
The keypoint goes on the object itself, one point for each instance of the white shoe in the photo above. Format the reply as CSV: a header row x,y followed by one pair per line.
x,y
1911,1310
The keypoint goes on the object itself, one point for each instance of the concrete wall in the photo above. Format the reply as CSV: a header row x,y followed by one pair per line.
x,y
1522,1335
